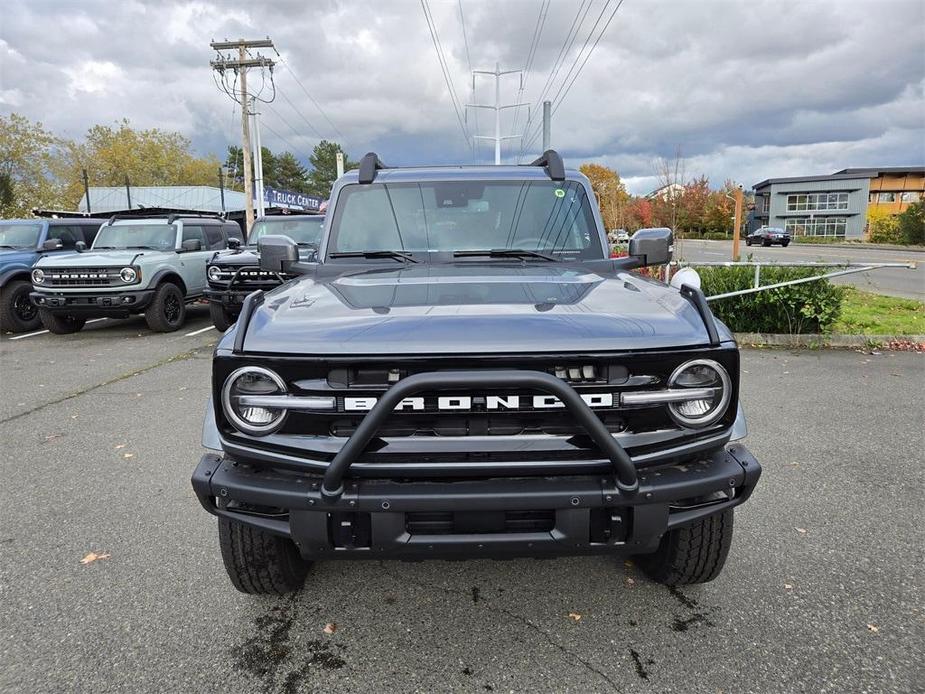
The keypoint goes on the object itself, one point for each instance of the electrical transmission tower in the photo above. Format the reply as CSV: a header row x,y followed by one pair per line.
x,y
226,63
497,73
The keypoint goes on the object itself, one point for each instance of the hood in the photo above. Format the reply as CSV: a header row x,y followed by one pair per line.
x,y
473,309
97,258
17,256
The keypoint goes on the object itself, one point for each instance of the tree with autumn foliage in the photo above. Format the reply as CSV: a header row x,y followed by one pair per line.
x,y
610,192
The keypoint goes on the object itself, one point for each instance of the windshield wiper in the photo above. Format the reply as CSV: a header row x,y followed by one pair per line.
x,y
147,248
505,253
3,245
397,255
104,248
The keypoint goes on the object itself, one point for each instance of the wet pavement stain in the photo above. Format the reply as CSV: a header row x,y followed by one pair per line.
x,y
475,593
685,624
641,670
682,598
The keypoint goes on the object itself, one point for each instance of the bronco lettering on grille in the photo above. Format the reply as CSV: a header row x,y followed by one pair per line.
x,y
465,403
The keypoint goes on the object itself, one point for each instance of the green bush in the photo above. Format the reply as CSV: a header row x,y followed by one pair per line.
x,y
823,239
886,233
810,307
715,236
911,224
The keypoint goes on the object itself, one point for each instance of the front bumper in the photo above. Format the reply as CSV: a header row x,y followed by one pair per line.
x,y
122,303
545,516
230,299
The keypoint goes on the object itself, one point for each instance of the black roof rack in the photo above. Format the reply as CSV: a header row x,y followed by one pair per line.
x,y
369,165
171,217
552,162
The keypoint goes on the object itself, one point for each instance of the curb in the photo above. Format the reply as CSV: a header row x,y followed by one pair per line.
x,y
815,341
865,246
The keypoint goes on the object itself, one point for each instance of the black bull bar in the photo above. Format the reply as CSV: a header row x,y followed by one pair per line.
x,y
626,479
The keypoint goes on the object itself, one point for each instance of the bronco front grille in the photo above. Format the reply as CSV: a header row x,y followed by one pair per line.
x,y
83,277
247,277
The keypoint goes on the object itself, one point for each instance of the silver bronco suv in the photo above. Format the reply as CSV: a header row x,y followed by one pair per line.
x,y
153,265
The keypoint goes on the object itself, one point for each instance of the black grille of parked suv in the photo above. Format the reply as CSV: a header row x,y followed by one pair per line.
x,y
83,277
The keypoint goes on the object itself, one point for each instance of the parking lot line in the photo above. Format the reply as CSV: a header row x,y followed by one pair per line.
x,y
42,332
201,330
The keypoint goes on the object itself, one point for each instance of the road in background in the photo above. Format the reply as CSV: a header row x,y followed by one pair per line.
x,y
893,281
822,590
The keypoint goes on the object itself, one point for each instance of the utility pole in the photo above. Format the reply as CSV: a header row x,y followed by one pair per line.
x,y
86,189
240,95
497,73
221,186
128,192
258,166
547,123
738,225
340,164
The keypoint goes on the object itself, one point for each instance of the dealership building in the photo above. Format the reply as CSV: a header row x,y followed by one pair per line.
x,y
837,204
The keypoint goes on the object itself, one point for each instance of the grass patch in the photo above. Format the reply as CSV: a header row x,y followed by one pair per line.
x,y
863,313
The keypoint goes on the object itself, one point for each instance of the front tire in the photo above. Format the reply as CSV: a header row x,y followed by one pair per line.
x,y
748,242
167,311
690,554
222,319
785,243
259,563
60,324
17,313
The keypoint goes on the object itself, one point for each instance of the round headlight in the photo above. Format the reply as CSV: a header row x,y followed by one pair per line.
x,y
128,274
700,374
241,396
38,276
215,273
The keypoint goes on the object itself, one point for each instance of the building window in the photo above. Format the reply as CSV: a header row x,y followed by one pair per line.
x,y
911,196
817,201
816,226
886,197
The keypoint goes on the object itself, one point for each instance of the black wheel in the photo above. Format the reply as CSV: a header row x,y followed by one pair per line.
x,y
59,323
258,562
692,554
222,319
748,241
167,311
785,243
17,313
766,243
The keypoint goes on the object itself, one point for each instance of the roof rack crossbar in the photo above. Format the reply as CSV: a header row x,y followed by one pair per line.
x,y
171,217
369,165
552,162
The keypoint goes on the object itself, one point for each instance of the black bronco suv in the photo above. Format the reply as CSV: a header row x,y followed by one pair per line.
x,y
235,274
465,373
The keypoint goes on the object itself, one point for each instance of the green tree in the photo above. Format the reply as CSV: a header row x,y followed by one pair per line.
x,y
289,173
27,156
911,223
324,168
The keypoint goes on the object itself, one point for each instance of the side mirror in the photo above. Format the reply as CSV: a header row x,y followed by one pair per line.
x,y
52,245
191,245
277,252
81,246
652,246
233,243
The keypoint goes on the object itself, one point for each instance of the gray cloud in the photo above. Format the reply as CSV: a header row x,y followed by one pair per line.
x,y
747,90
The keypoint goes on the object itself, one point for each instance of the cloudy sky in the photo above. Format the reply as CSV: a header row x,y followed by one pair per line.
x,y
746,90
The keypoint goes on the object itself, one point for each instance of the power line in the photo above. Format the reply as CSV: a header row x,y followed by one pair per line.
x,y
438,47
295,150
581,67
302,115
531,55
462,21
313,100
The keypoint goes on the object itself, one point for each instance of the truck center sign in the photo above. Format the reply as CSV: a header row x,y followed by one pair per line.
x,y
287,198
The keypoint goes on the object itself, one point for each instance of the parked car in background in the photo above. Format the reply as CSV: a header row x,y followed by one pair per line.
x,y
618,236
22,243
235,274
768,236
152,265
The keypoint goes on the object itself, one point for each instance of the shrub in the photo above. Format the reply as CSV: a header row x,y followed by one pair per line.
x,y
810,307
883,226
715,236
911,224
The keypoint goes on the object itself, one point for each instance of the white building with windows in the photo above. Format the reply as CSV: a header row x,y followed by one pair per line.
x,y
835,205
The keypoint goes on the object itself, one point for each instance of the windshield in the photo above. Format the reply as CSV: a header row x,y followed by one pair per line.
x,y
305,232
162,237
19,235
552,217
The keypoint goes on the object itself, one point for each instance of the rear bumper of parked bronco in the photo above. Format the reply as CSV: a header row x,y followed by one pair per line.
x,y
543,516
115,304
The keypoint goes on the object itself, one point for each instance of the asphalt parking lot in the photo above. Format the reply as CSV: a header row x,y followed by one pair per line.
x,y
892,281
100,432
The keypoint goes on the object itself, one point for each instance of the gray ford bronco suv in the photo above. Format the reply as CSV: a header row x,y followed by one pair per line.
x,y
236,273
152,265
466,373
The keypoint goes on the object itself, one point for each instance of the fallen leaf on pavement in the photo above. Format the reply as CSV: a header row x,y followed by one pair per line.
x,y
330,628
128,455
630,581
93,556
873,628
787,586
802,531
574,616
53,436
121,445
